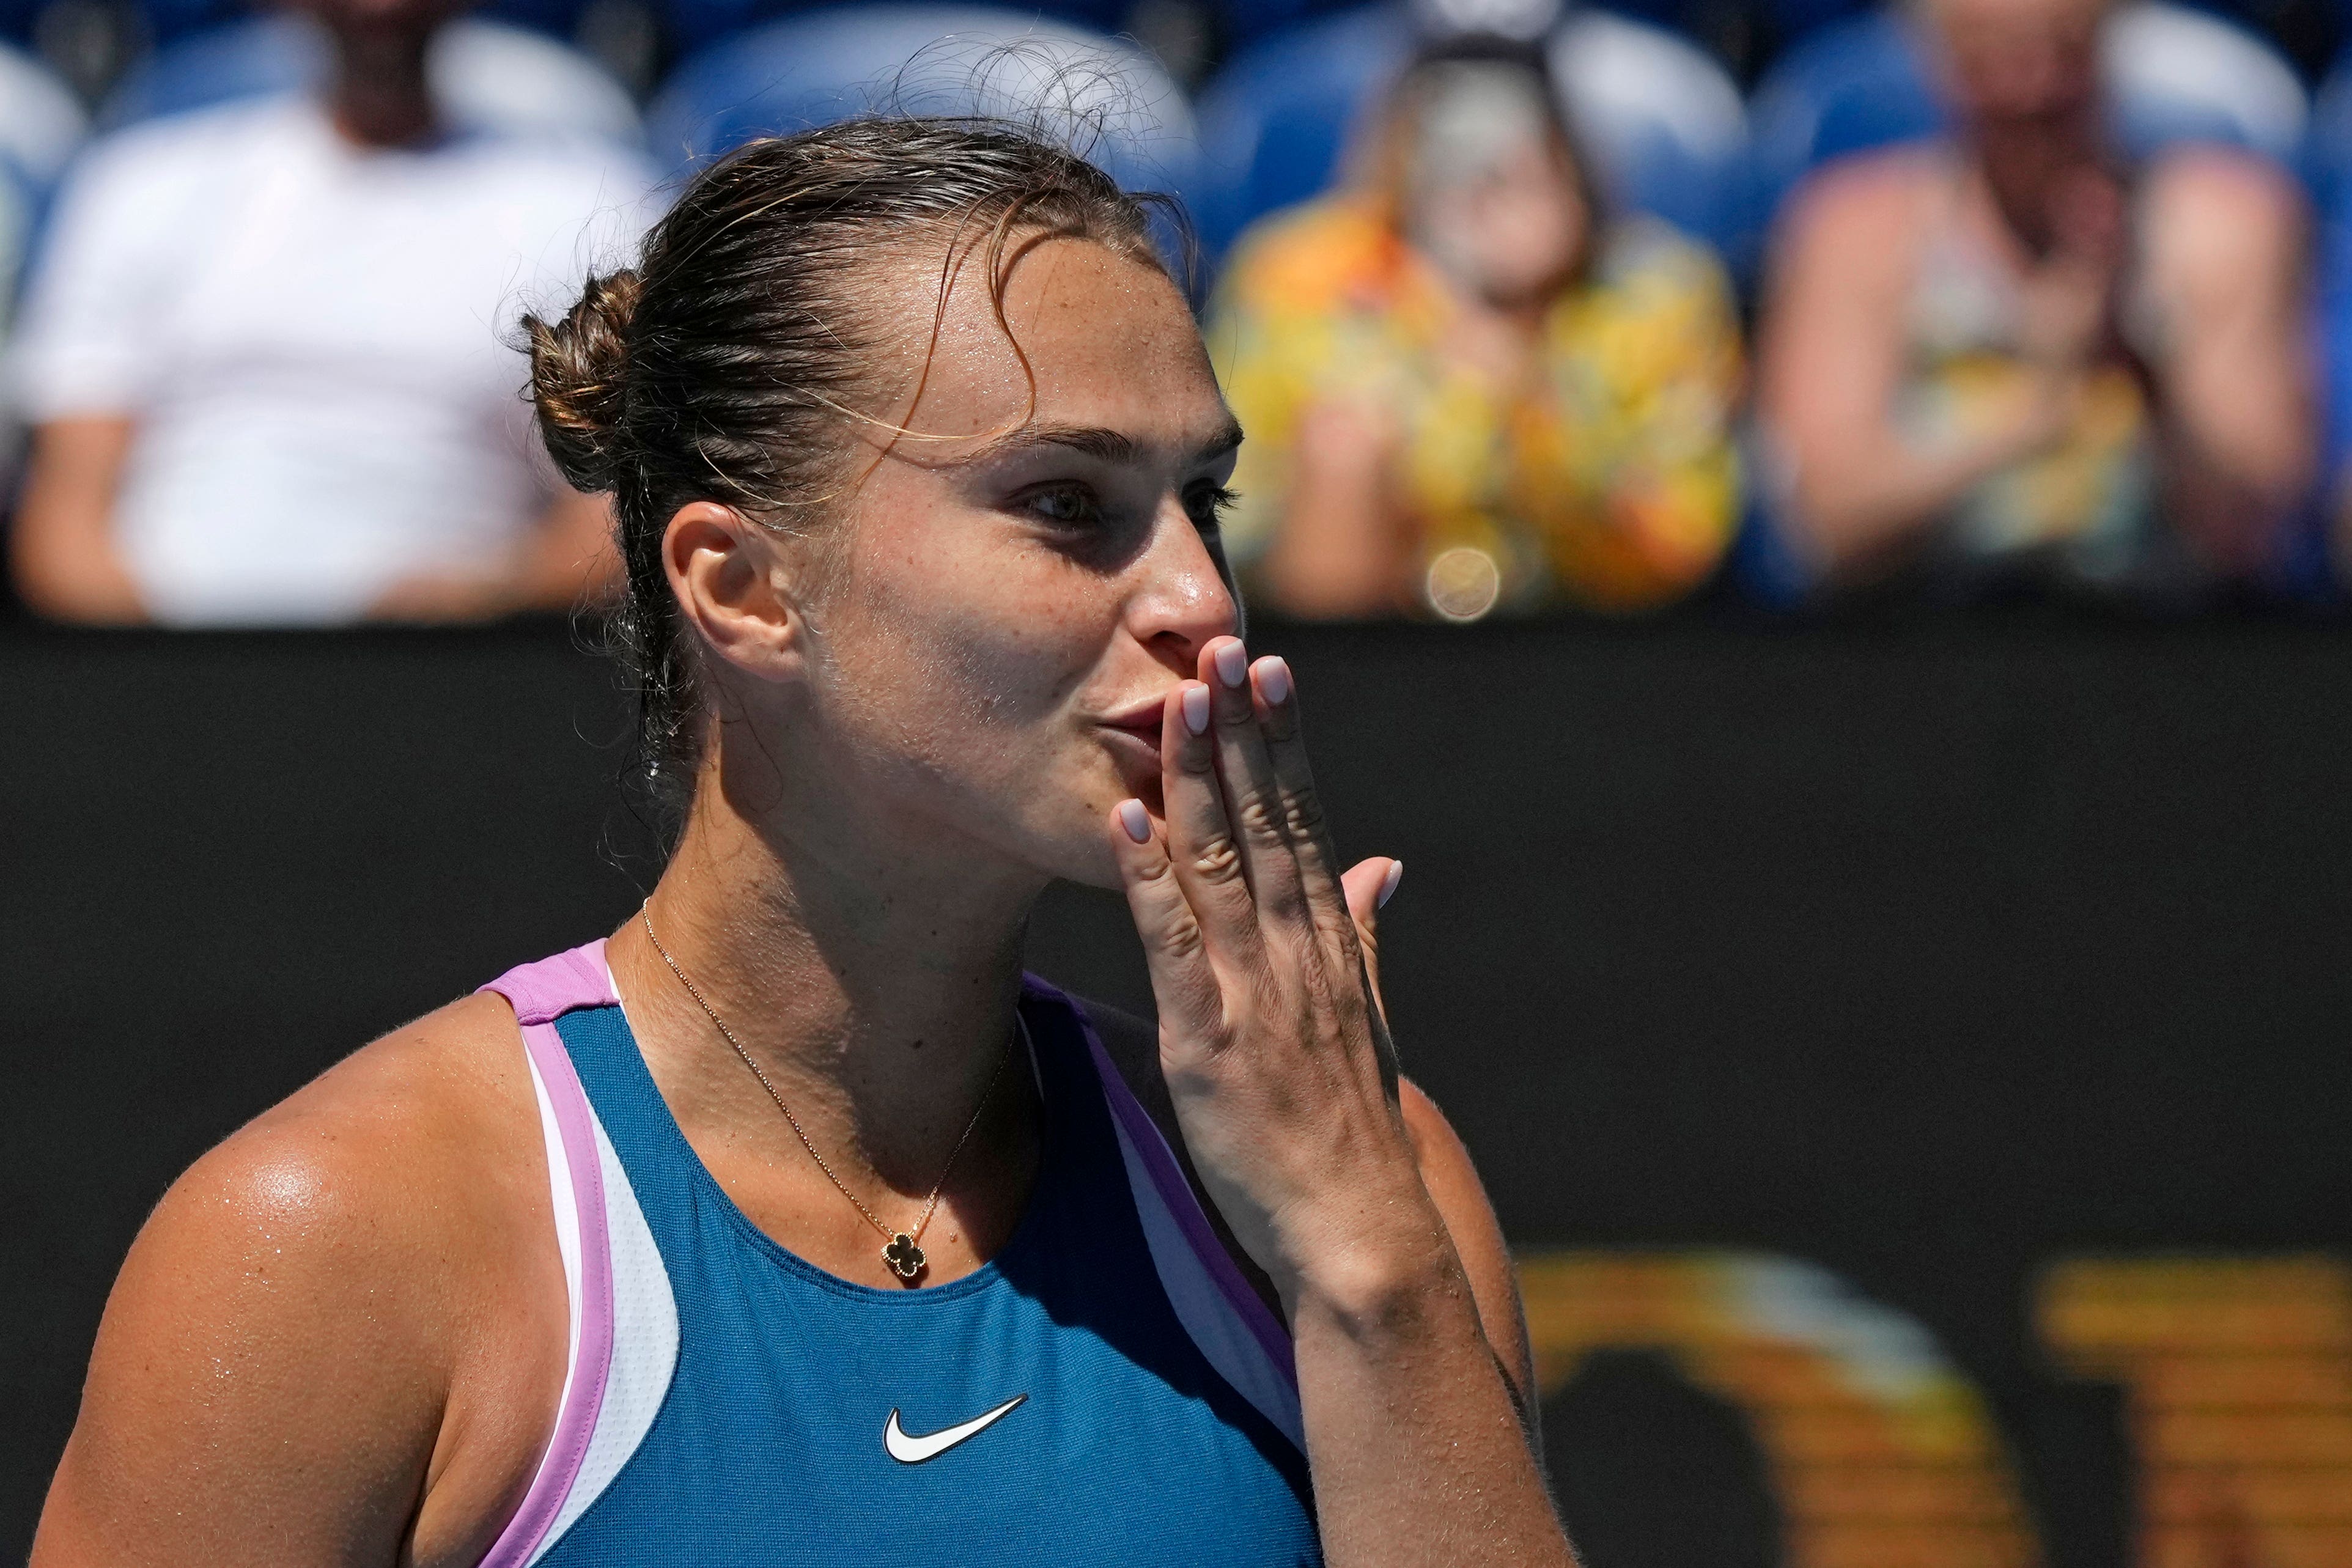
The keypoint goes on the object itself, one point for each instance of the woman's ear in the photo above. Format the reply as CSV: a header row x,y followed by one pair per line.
x,y
733,586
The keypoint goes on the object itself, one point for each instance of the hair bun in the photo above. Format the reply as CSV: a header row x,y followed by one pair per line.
x,y
579,373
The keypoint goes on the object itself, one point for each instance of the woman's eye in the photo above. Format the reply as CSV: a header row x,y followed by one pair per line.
x,y
1068,506
1207,506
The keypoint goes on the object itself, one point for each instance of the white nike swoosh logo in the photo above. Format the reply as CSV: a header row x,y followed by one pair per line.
x,y
908,1450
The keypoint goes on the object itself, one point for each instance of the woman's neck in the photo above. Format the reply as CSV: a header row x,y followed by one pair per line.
x,y
2021,175
874,989
379,96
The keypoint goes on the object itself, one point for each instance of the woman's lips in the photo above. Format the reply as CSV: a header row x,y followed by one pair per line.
x,y
1136,734
1142,717
1139,723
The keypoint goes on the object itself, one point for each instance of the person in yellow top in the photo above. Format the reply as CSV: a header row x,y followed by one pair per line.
x,y
1468,391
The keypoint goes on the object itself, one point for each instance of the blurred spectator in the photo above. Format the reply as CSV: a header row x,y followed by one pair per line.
x,y
2007,358
263,354
1466,387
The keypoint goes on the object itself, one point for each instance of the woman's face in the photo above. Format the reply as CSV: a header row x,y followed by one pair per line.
x,y
1490,198
2022,67
1016,583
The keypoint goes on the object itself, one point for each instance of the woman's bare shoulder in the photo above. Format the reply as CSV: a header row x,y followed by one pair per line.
x,y
1871,200
2223,219
440,1108
413,1164
355,1291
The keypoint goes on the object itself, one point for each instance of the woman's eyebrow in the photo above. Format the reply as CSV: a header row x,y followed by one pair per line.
x,y
1095,441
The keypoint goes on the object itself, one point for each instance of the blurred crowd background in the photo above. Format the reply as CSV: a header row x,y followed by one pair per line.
x,y
1528,306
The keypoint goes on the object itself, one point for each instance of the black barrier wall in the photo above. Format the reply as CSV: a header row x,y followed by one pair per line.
x,y
1910,1059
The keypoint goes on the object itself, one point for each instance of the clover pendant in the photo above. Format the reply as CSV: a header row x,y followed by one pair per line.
x,y
904,1256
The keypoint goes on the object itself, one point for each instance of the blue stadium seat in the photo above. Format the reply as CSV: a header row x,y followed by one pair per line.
x,y
1243,23
1663,121
169,21
694,25
41,121
936,60
556,18
2308,569
2186,75
1787,23
250,58
491,75
41,125
1852,87
1275,120
2327,146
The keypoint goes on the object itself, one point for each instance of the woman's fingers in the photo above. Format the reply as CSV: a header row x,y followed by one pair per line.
x,y
1184,982
1244,851
1301,806
1253,798
1369,884
1200,841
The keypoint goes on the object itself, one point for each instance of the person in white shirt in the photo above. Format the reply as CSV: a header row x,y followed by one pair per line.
x,y
268,358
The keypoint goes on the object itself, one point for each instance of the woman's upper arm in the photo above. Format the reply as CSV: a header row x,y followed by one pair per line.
x,y
1461,1198
263,1389
63,540
2226,266
346,1301
1829,345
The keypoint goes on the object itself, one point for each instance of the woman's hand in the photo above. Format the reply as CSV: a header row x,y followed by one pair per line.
x,y
1271,1038
1285,1085
1344,549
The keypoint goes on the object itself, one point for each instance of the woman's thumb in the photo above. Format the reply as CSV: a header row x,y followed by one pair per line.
x,y
1369,884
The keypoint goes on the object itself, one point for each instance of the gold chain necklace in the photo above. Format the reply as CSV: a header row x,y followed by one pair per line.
x,y
902,1253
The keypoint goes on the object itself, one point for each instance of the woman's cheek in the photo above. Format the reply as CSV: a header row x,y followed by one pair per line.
x,y
970,663
976,684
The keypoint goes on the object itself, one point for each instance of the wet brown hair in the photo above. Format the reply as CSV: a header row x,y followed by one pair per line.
x,y
727,364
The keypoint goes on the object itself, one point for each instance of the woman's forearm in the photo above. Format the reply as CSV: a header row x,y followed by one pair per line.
x,y
64,556
1414,1438
2222,324
570,557
1863,503
2237,447
1341,552
1335,559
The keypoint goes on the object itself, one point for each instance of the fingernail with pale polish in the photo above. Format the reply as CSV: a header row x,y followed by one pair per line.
x,y
1232,664
1195,702
1136,821
1388,883
1274,680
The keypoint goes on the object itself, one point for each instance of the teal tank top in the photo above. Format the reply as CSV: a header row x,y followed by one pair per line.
x,y
1104,1390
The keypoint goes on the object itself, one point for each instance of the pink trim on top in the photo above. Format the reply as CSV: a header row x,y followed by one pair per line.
x,y
1183,1205
540,993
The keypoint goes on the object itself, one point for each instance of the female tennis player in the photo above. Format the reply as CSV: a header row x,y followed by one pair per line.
x,y
789,1223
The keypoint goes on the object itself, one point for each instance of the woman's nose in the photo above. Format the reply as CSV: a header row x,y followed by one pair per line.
x,y
1184,598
